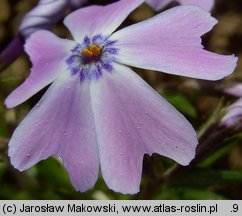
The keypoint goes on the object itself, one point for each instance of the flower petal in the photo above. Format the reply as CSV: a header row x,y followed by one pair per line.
x,y
43,16
132,119
12,51
47,53
95,20
204,4
233,114
235,90
170,42
61,124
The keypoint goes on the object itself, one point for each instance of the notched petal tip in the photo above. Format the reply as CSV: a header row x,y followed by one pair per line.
x,y
47,53
105,19
147,124
125,192
177,48
226,66
80,188
123,189
81,181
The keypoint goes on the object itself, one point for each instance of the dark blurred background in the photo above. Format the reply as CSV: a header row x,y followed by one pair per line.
x,y
218,176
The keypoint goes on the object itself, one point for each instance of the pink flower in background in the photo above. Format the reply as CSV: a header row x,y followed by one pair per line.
x,y
43,16
77,3
97,111
159,4
234,112
235,90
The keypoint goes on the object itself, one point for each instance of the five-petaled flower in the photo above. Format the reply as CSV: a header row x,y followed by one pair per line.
x,y
204,4
97,110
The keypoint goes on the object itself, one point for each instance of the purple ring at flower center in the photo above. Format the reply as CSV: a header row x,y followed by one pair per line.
x,y
92,57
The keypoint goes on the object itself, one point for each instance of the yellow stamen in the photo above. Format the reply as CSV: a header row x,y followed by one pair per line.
x,y
95,50
86,52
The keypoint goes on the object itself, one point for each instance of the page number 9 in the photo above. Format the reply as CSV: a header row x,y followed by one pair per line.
x,y
235,208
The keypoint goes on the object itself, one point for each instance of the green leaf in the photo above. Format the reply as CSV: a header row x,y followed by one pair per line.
x,y
53,172
204,177
200,195
217,155
212,119
181,102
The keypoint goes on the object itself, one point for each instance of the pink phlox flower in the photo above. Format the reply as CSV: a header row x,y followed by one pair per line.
x,y
97,111
204,4
234,111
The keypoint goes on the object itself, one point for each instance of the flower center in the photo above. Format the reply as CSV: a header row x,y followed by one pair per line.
x,y
91,54
91,58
